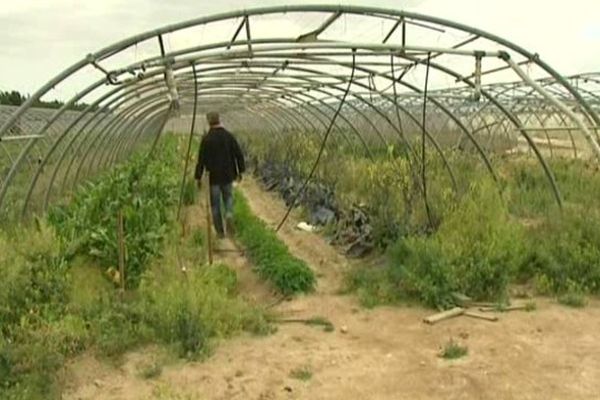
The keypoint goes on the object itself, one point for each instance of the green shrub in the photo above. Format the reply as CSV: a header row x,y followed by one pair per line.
x,y
476,250
117,326
568,252
144,189
373,286
189,192
422,271
35,332
453,350
575,299
192,309
270,256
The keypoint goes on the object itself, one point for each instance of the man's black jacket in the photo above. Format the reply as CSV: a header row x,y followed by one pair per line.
x,y
221,155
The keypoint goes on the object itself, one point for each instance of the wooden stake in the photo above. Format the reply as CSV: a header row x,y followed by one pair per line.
x,y
183,223
209,223
435,318
502,309
473,314
121,240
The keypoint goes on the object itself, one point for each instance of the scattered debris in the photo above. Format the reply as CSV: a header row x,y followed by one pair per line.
x,y
435,318
352,229
474,314
303,226
464,307
453,350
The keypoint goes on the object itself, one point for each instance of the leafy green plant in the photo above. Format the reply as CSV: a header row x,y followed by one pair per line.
x,y
476,250
189,192
191,310
143,189
373,285
35,332
573,297
151,370
301,373
567,252
271,257
453,350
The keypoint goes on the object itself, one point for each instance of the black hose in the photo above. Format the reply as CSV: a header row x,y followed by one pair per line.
x,y
329,129
423,171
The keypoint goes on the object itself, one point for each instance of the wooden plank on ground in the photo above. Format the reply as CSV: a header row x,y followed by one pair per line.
x,y
435,318
477,315
501,309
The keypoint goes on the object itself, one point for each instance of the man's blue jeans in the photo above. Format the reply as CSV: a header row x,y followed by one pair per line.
x,y
220,193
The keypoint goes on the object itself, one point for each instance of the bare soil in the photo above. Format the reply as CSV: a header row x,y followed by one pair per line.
x,y
384,353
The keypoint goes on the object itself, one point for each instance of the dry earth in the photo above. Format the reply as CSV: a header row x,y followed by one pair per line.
x,y
385,353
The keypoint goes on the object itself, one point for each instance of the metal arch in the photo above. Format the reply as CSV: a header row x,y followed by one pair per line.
x,y
118,146
293,94
287,93
102,145
4,186
344,9
369,104
518,124
117,129
526,91
58,141
378,73
307,95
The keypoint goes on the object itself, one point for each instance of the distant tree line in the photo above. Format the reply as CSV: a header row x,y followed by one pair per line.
x,y
15,98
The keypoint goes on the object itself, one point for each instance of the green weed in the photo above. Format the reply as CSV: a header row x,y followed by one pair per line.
x,y
302,373
270,256
573,299
452,350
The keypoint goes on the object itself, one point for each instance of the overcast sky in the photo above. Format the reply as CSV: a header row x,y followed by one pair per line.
x,y
39,38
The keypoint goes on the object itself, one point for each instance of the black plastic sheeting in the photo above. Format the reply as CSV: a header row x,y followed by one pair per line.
x,y
351,228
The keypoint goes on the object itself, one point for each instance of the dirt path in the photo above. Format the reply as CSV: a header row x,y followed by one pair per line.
x,y
227,252
323,258
385,353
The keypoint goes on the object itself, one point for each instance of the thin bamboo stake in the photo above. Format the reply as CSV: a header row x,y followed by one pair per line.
x,y
455,312
121,240
209,222
473,314
184,223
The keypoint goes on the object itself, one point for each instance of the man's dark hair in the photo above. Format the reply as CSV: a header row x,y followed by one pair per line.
x,y
213,118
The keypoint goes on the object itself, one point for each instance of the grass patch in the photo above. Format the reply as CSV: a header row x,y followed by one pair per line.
x,y
452,350
271,257
573,299
150,370
301,373
373,285
57,300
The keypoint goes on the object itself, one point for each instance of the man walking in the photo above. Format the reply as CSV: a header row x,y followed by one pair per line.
x,y
221,156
